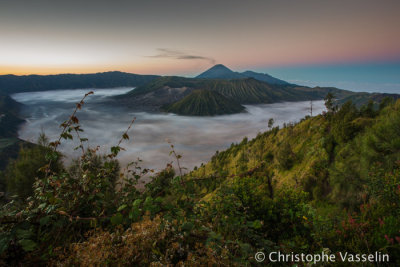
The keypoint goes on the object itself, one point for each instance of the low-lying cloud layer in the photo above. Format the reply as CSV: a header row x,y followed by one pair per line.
x,y
195,138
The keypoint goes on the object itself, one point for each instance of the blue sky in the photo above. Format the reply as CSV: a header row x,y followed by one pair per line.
x,y
370,77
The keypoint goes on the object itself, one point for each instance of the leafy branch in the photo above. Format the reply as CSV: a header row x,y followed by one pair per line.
x,y
177,156
116,149
72,124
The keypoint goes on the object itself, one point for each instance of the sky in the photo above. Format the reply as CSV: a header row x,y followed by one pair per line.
x,y
185,37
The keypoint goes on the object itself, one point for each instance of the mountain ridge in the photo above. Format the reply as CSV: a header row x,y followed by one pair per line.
x,y
220,71
241,91
10,83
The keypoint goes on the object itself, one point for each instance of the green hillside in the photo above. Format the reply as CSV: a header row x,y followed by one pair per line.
x,y
360,99
204,103
329,183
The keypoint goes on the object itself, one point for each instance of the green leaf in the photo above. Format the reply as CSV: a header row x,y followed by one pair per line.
x,y
27,244
115,150
42,206
158,199
187,226
136,203
256,224
122,207
134,215
148,203
45,220
66,135
117,219
5,239
51,156
23,234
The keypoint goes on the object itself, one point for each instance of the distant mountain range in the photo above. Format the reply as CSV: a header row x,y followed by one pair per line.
x,y
10,84
177,94
222,72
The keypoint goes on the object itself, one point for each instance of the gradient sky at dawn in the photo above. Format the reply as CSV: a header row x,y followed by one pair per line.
x,y
186,37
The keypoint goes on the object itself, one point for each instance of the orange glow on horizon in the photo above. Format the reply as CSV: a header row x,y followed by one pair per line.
x,y
149,69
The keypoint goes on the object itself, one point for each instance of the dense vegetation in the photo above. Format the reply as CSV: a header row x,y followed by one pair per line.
x,y
10,84
328,183
204,103
362,98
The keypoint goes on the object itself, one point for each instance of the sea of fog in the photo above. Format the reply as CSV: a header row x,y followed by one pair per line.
x,y
195,138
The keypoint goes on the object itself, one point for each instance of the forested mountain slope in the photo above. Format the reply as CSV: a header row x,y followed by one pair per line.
x,y
204,103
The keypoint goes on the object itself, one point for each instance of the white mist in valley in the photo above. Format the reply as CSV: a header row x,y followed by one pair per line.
x,y
195,138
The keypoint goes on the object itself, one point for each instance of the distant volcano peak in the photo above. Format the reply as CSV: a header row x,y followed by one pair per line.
x,y
220,71
220,66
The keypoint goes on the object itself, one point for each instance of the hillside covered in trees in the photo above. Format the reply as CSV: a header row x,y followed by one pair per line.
x,y
329,183
204,103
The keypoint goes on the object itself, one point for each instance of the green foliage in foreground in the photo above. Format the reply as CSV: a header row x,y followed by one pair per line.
x,y
22,172
330,182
